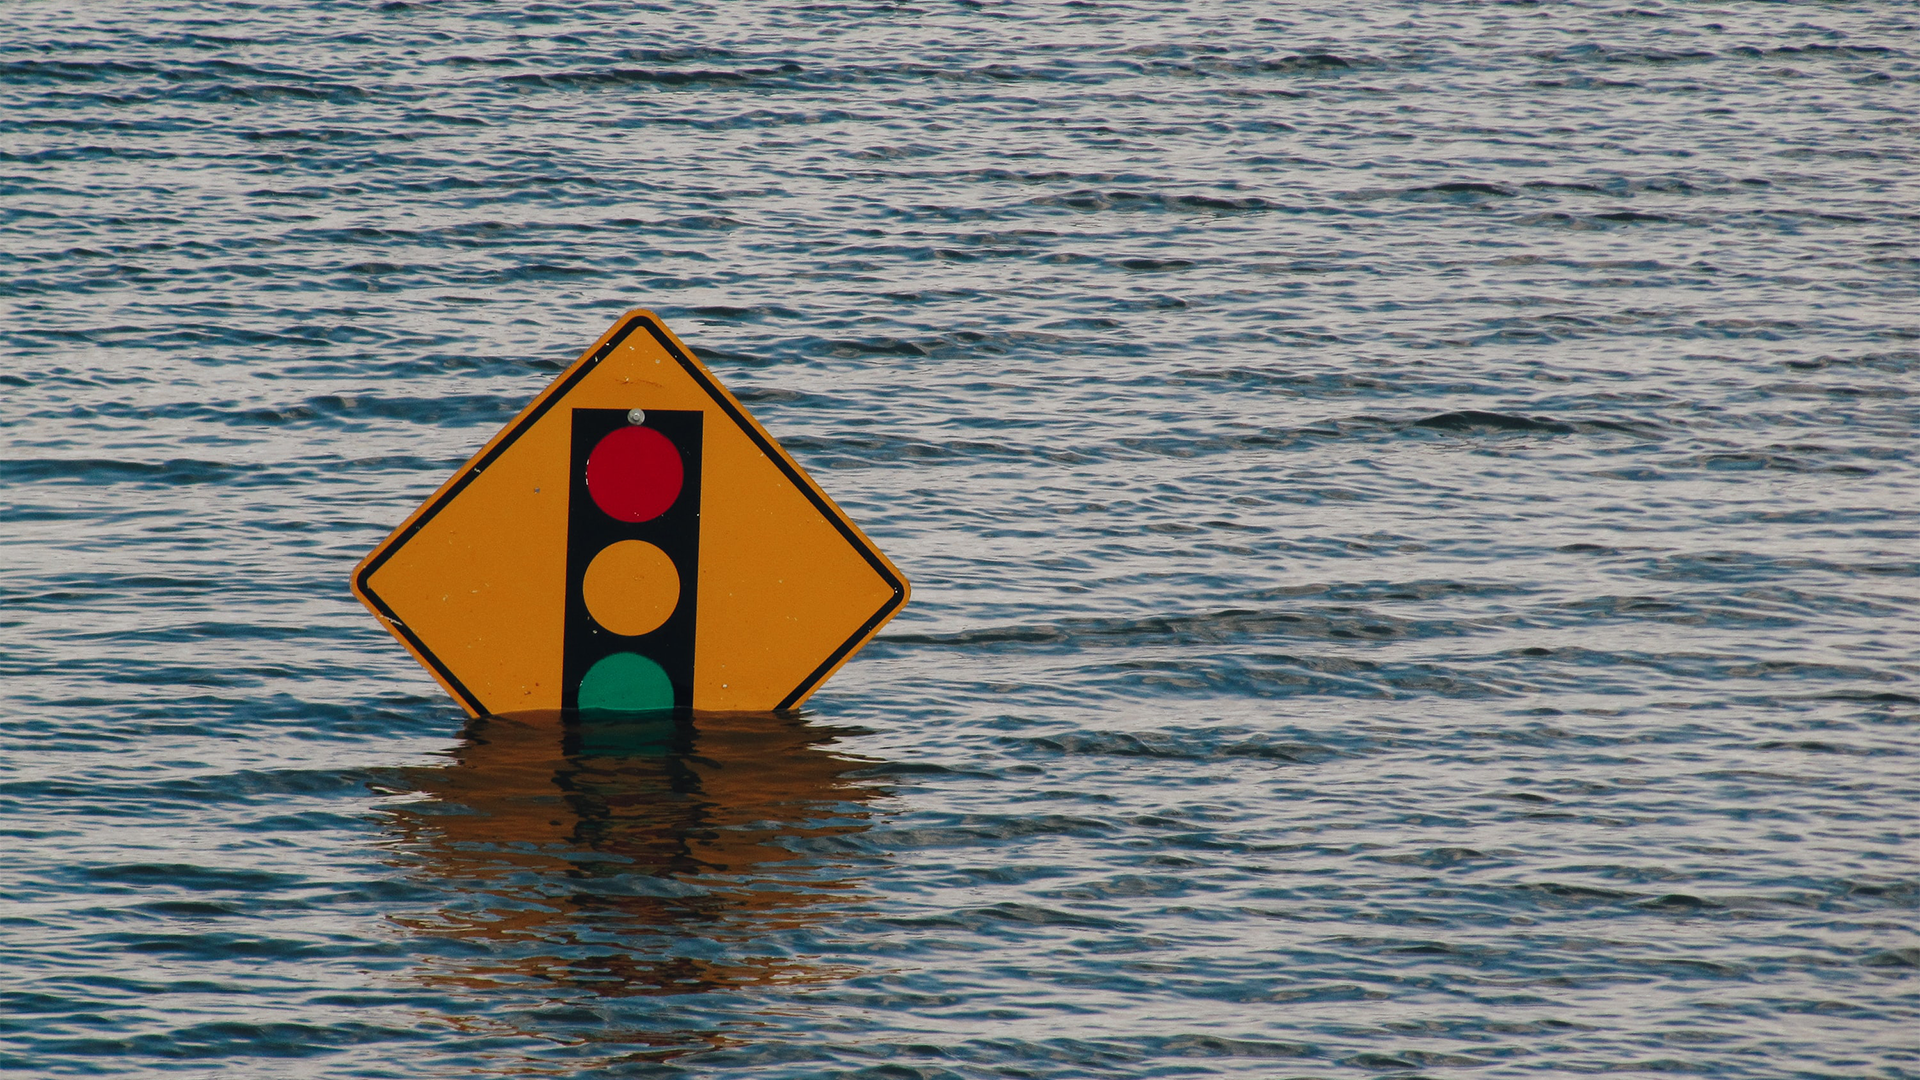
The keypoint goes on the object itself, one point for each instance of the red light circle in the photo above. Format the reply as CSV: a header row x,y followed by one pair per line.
x,y
634,474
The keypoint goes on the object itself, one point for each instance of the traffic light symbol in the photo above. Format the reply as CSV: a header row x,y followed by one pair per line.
x,y
633,554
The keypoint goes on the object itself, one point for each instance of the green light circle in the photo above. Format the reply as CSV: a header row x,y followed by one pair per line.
x,y
626,682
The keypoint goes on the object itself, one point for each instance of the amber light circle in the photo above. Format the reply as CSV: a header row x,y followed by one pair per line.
x,y
631,587
635,474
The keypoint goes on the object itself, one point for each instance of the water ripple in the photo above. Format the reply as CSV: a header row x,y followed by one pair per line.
x,y
1411,513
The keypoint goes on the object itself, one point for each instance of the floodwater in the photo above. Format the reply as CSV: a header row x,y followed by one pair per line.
x,y
1413,513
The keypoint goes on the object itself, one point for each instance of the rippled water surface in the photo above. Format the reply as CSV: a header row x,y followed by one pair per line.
x,y
1413,512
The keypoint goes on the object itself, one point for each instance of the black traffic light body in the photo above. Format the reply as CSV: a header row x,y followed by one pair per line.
x,y
590,530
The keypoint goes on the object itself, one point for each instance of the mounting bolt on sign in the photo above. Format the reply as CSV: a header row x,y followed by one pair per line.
x,y
633,540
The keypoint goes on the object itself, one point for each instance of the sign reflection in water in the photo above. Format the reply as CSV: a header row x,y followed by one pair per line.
x,y
635,857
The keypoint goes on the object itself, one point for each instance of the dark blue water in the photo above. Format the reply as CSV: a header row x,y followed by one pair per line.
x,y
1413,513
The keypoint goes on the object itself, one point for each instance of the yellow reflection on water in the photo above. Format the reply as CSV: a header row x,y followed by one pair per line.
x,y
634,856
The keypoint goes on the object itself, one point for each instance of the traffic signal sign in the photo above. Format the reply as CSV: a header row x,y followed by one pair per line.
x,y
632,540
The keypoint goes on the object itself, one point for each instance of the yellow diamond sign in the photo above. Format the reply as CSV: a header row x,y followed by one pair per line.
x,y
633,540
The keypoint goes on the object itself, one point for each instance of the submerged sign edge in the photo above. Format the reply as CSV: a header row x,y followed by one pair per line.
x,y
361,580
